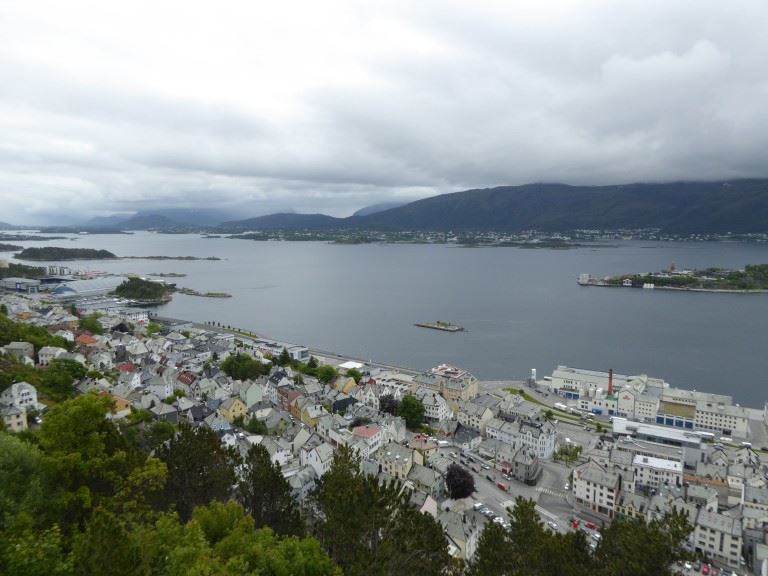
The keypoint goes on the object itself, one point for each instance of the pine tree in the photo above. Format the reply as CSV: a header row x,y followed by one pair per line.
x,y
266,494
200,470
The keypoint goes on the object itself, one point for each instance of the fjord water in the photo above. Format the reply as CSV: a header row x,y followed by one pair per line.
x,y
521,308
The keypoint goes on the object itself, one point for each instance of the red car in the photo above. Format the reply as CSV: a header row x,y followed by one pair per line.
x,y
575,524
590,525
705,569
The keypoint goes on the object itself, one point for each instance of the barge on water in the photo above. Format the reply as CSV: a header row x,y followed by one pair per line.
x,y
440,325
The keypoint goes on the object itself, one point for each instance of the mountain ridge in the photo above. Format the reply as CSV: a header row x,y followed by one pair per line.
x,y
737,206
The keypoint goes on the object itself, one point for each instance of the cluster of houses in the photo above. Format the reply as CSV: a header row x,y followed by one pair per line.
x,y
175,376
723,489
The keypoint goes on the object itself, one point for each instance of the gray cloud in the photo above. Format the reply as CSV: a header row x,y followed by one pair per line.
x,y
353,105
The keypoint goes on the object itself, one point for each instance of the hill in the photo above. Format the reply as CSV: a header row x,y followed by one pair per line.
x,y
287,221
55,254
739,206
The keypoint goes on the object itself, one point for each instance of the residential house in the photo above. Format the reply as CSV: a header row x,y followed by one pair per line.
x,y
22,395
462,533
435,407
232,408
395,460
474,416
14,419
48,353
19,350
320,458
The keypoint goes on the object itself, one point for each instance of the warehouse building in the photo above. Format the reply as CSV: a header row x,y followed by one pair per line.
x,y
86,288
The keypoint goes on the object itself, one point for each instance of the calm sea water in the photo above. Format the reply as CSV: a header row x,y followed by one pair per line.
x,y
522,309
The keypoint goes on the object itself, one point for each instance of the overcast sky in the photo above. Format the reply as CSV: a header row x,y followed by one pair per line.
x,y
330,106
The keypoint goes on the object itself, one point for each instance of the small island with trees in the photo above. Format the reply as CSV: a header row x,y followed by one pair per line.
x,y
753,278
144,291
56,254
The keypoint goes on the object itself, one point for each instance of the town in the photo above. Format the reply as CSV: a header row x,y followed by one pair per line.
x,y
586,446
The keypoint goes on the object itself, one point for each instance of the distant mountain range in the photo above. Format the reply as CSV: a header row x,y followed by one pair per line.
x,y
738,206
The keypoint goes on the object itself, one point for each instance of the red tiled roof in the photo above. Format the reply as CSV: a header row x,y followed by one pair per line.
x,y
126,367
366,431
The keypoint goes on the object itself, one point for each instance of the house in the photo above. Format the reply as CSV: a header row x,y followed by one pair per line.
x,y
14,419
462,533
596,489
423,448
372,435
395,460
435,407
525,466
474,416
232,408
302,481
320,458
312,414
19,350
22,395
48,353
426,480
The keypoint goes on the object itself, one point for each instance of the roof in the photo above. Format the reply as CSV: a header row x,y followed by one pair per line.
x,y
367,431
658,463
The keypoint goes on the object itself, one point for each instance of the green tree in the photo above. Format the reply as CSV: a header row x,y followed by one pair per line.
x,y
492,557
548,414
355,375
326,373
29,553
86,457
3,310
284,359
368,527
412,410
153,328
312,364
91,323
266,494
21,480
200,470
105,547
256,426
634,547
243,367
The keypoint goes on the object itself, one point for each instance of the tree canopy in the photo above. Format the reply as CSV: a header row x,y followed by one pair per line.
x,y
244,367
412,410
459,481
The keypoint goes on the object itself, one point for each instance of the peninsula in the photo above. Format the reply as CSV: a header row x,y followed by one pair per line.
x,y
753,278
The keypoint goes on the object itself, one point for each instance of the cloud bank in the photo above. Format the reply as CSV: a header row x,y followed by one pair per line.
x,y
330,106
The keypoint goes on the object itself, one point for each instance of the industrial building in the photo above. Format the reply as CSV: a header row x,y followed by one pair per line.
x,y
20,285
85,288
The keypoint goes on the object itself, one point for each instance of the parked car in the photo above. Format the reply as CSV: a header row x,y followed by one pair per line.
x,y
486,467
477,505
489,477
552,525
705,569
590,525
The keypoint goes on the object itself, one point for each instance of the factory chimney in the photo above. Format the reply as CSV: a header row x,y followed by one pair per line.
x,y
610,381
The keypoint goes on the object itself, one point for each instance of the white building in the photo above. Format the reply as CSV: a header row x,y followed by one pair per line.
x,y
721,418
596,489
435,407
656,472
21,395
48,353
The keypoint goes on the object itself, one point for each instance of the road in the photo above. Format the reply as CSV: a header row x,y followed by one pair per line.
x,y
552,500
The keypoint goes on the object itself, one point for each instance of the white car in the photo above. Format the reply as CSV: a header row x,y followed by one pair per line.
x,y
552,525
567,487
